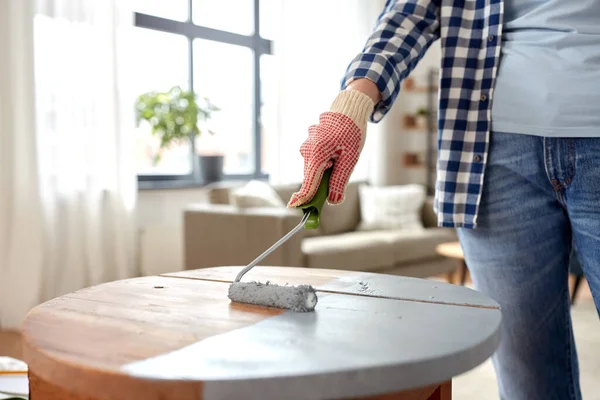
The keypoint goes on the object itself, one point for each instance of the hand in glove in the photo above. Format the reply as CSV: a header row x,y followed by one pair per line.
x,y
337,140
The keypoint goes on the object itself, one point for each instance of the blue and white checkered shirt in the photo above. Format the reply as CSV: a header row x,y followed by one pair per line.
x,y
469,31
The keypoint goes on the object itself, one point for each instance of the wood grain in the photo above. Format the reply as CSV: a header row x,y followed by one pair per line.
x,y
80,339
279,275
77,346
45,390
96,385
443,392
424,393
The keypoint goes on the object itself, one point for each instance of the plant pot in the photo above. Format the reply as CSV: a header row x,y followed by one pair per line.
x,y
411,159
211,168
410,121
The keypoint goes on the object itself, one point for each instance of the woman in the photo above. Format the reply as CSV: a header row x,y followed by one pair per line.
x,y
519,158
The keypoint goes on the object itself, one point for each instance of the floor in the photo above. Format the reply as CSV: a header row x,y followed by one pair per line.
x,y
10,344
480,383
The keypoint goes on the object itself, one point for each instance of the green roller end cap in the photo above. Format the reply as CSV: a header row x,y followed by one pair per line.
x,y
316,204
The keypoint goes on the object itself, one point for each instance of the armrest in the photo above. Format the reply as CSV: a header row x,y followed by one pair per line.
x,y
428,215
222,234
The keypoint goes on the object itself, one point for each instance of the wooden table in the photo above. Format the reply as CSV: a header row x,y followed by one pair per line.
x,y
454,250
178,336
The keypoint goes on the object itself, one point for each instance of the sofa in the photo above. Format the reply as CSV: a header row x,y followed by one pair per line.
x,y
218,232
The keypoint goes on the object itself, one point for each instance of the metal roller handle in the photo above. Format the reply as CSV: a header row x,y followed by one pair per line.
x,y
273,247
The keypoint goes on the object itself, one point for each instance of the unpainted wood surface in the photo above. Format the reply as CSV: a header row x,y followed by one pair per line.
x,y
120,388
443,392
49,391
105,339
425,393
81,340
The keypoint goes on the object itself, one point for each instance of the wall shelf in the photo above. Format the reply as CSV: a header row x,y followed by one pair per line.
x,y
425,90
409,85
420,131
422,156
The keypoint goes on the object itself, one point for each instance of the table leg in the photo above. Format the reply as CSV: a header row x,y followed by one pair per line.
x,y
576,284
434,392
463,272
40,389
443,392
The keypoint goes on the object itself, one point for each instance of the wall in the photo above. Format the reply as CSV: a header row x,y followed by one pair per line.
x,y
388,142
160,223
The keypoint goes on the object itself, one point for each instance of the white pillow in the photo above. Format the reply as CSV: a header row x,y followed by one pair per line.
x,y
391,207
256,194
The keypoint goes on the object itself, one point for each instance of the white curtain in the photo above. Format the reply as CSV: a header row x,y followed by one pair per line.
x,y
21,220
68,187
317,41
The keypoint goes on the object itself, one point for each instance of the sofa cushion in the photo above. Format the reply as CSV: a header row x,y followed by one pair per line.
x,y
414,246
391,207
286,191
428,214
374,250
342,218
334,219
355,251
256,194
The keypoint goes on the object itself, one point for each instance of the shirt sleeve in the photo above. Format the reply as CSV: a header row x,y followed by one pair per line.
x,y
404,31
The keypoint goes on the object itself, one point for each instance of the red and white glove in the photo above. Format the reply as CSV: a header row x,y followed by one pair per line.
x,y
338,140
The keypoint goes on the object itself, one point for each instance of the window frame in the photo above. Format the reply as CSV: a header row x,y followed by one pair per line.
x,y
259,46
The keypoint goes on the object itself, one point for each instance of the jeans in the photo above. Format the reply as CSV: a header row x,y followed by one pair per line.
x,y
540,197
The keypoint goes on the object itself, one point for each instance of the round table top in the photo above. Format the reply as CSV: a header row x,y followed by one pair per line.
x,y
178,336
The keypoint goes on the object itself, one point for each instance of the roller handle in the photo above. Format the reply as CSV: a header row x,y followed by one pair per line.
x,y
315,205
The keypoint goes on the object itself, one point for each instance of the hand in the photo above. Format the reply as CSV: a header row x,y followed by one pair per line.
x,y
337,140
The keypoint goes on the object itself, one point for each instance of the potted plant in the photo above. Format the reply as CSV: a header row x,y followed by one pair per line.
x,y
422,115
174,117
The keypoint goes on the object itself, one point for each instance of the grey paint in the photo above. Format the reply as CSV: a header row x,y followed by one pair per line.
x,y
361,283
350,346
407,288
302,298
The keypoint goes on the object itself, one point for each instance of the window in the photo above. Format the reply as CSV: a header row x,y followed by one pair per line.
x,y
221,50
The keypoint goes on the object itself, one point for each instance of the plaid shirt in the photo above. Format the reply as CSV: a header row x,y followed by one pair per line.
x,y
470,41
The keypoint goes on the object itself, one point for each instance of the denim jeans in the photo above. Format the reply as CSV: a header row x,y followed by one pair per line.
x,y
540,197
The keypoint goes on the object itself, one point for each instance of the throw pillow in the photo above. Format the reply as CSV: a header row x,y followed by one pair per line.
x,y
256,194
391,207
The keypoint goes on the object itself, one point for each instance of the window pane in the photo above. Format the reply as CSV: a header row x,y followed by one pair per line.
x,y
161,62
268,79
270,15
233,16
172,9
223,73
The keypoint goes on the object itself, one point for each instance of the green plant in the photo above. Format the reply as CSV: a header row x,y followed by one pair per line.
x,y
173,115
422,112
